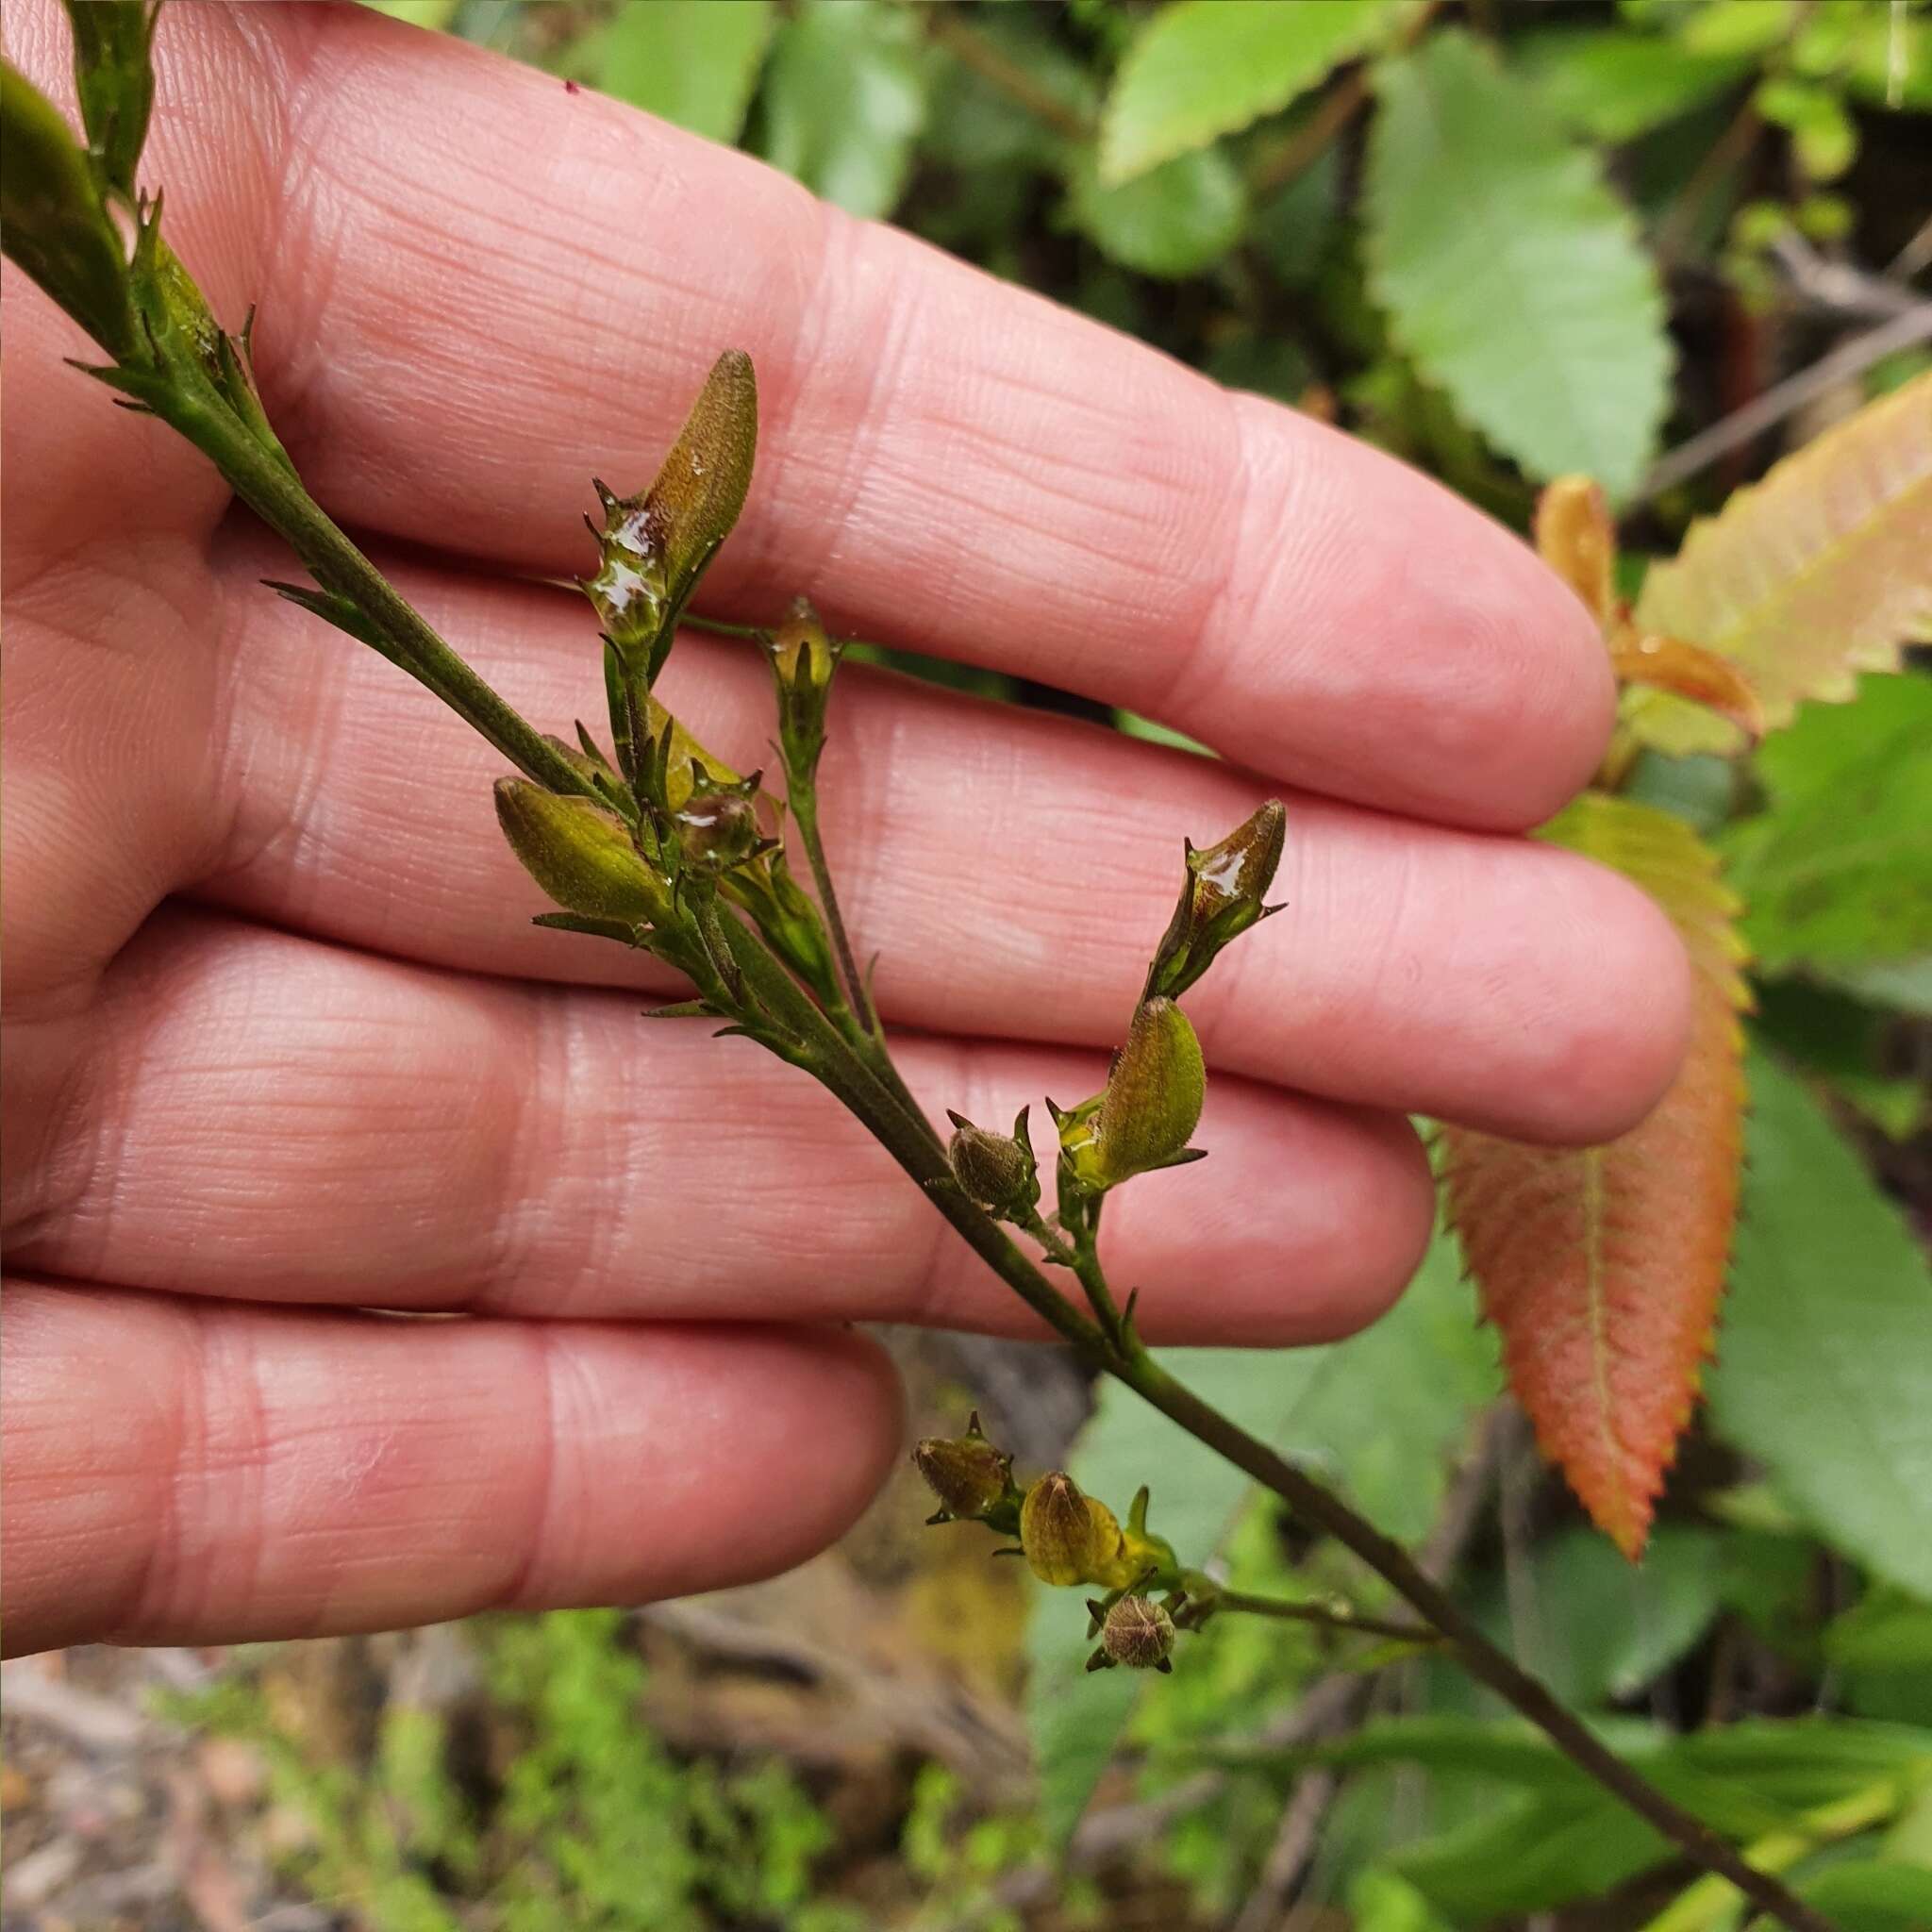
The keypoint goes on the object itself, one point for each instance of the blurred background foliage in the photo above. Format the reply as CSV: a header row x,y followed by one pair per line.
x,y
1660,241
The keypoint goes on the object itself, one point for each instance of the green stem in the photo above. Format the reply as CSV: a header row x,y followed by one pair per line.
x,y
802,797
1324,1615
272,491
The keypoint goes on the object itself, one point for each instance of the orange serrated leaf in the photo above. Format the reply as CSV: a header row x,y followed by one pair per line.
x,y
1807,579
1702,677
1603,1268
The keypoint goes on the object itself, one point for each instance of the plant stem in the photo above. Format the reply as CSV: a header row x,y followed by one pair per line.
x,y
1125,1357
272,491
1324,1615
1484,1662
804,801
972,50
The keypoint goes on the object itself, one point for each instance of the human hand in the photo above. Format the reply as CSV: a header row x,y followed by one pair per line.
x,y
280,1046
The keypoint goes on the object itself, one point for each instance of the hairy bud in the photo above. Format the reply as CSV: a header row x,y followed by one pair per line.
x,y
1139,1633
655,546
580,855
995,1170
1151,1104
1220,898
969,1475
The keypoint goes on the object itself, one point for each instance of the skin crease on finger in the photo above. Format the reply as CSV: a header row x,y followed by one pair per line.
x,y
1308,605
197,1472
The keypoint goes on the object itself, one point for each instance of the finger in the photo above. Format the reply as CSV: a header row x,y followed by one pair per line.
x,y
481,288
1013,872
278,1119
182,1471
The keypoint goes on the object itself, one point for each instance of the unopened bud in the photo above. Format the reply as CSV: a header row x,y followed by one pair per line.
x,y
655,545
1220,898
803,661
995,1170
717,824
1057,1531
969,1475
1138,1632
1151,1105
580,854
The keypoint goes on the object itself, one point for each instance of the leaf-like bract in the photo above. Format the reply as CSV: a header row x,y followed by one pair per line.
x,y
1821,571
1603,1267
1512,276
1205,67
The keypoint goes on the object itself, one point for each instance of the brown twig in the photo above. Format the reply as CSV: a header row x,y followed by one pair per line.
x,y
972,50
1849,359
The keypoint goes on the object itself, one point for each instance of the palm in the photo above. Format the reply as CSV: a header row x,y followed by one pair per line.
x,y
281,1047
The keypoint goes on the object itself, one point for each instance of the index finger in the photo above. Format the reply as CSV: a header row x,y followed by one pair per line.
x,y
477,288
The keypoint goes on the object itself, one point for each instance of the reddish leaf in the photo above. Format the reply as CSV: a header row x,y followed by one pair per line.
x,y
1602,1269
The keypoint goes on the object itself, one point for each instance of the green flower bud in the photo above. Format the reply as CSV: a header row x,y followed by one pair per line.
x,y
1220,898
1068,1536
580,855
803,662
969,1475
1151,1104
717,824
995,1170
1139,1633
655,545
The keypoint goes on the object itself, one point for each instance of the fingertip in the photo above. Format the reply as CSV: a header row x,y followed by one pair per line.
x,y
1617,1044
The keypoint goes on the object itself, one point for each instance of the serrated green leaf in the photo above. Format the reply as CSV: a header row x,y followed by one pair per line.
x,y
1326,1406
1172,222
1510,272
1824,1370
694,62
845,100
1838,872
1614,84
1205,68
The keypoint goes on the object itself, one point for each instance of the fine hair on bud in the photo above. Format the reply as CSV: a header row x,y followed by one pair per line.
x,y
581,855
1153,1096
969,1475
1139,1633
997,1171
1058,1531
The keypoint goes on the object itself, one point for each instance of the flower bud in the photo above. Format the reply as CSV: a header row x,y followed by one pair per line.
x,y
995,1170
580,855
1220,898
655,545
803,662
1138,1632
1067,1536
717,824
1151,1105
967,1473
